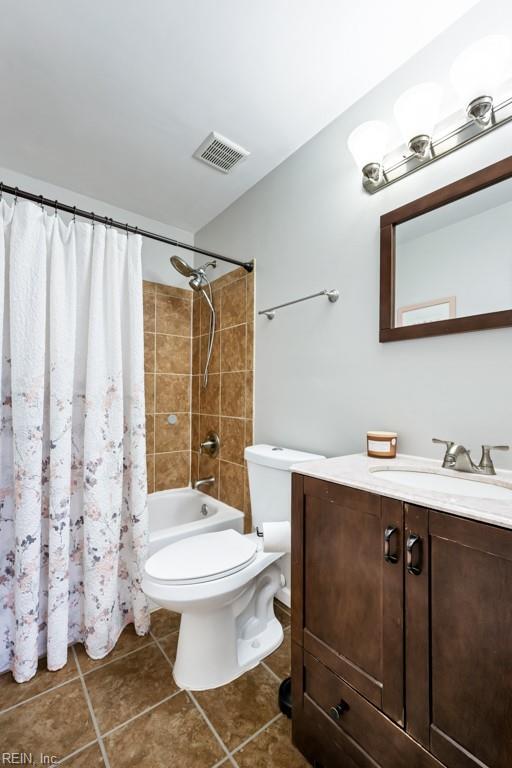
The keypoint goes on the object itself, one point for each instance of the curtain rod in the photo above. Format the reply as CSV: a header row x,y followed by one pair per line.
x,y
45,201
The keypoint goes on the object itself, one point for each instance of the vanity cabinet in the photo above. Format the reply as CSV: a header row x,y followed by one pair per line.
x,y
401,633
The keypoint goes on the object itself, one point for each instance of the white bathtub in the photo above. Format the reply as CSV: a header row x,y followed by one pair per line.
x,y
176,514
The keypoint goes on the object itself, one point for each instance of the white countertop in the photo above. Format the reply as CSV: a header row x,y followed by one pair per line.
x,y
358,471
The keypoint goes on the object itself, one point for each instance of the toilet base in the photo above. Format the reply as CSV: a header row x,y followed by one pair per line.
x,y
217,646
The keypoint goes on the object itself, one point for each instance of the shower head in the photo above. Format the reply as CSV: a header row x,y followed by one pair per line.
x,y
181,266
196,283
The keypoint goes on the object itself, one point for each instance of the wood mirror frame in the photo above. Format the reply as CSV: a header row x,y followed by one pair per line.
x,y
468,185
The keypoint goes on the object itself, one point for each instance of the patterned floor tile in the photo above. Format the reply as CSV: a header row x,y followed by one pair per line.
x,y
163,622
170,644
88,758
54,724
273,748
12,692
173,735
129,685
240,708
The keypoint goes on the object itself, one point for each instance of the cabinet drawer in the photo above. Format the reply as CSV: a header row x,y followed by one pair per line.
x,y
387,744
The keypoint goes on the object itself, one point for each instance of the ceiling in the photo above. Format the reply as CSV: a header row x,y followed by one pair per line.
x,y
110,99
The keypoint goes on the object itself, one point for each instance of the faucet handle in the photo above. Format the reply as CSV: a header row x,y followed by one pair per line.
x,y
448,443
486,464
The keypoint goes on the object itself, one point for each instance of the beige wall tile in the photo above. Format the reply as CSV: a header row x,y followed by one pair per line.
x,y
148,297
249,437
172,470
232,484
234,304
210,396
150,433
149,392
209,467
172,437
171,290
150,469
233,394
233,440
172,393
173,315
196,355
196,316
196,391
172,354
214,366
195,433
149,352
249,395
250,296
249,356
233,357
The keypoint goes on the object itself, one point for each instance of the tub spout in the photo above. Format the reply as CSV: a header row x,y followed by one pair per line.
x,y
198,484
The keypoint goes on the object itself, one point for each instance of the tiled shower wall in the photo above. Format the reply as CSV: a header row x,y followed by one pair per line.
x,y
226,405
167,358
176,339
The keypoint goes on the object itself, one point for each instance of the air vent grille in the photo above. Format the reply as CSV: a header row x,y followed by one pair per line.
x,y
220,153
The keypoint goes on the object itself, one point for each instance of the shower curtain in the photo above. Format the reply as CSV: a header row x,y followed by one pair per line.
x,y
73,519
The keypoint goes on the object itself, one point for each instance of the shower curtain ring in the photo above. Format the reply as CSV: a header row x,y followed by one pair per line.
x,y
74,213
15,195
41,202
126,225
55,207
93,219
1,190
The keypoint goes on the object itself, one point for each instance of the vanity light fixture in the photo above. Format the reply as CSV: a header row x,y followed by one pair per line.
x,y
368,144
476,75
416,112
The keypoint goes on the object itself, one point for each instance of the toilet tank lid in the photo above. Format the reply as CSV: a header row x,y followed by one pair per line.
x,y
277,457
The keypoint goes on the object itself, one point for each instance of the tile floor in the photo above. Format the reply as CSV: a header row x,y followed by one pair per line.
x,y
125,710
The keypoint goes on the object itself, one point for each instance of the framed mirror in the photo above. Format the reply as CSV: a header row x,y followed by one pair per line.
x,y
446,259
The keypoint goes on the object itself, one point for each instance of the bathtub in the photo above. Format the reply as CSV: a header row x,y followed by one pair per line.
x,y
176,514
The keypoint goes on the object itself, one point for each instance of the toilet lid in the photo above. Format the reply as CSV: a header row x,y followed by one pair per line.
x,y
205,557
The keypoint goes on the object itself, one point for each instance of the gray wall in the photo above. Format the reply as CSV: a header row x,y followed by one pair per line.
x,y
322,378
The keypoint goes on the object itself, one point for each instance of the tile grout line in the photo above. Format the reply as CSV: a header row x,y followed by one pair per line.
x,y
142,712
64,760
197,705
274,675
256,734
117,658
38,695
91,712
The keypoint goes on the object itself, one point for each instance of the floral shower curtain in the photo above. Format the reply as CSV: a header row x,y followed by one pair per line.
x,y
73,519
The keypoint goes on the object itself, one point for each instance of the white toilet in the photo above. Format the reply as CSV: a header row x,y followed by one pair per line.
x,y
224,584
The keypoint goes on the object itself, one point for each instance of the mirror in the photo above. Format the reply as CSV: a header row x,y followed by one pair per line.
x,y
446,259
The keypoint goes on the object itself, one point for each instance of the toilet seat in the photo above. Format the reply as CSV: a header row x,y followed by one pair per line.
x,y
202,558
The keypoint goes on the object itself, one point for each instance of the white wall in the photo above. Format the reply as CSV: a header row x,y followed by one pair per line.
x,y
322,378
155,255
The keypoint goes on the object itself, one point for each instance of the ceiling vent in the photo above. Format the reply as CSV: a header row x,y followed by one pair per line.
x,y
220,153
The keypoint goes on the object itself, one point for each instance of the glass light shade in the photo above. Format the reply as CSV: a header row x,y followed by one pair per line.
x,y
368,143
417,110
481,68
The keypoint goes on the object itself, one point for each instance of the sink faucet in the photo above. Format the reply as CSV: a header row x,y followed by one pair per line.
x,y
198,484
459,458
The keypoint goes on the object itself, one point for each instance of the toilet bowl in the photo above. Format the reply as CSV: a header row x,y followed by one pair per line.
x,y
224,583
226,601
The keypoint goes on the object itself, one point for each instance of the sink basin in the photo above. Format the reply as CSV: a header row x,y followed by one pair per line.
x,y
460,486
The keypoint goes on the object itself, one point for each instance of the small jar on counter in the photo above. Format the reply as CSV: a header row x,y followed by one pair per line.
x,y
382,445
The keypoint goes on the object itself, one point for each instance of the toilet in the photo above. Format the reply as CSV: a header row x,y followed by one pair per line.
x,y
224,584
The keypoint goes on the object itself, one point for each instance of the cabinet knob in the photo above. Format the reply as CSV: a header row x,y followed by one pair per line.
x,y
337,711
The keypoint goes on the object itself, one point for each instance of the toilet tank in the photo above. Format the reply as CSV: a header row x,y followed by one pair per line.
x,y
270,480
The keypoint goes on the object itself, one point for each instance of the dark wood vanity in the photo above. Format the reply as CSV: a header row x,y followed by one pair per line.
x,y
402,633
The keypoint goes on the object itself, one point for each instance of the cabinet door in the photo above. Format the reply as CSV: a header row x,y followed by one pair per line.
x,y
466,650
348,587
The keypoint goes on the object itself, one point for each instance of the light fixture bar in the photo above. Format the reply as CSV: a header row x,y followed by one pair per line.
x,y
441,147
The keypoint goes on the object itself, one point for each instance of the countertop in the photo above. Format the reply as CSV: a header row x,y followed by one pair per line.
x,y
359,471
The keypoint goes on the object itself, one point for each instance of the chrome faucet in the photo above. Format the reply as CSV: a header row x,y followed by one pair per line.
x,y
198,484
459,458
